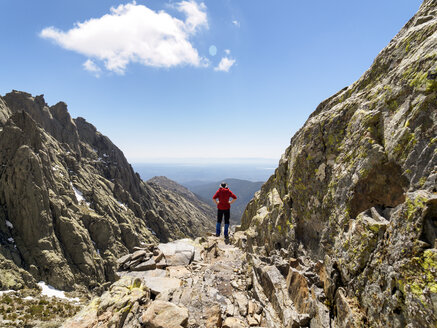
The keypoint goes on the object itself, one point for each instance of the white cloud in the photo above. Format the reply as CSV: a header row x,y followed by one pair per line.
x,y
227,51
91,66
196,14
135,33
236,23
225,64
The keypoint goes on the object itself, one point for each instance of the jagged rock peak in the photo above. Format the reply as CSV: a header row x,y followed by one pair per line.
x,y
70,203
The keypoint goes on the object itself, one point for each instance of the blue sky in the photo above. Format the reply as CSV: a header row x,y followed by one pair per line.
x,y
144,75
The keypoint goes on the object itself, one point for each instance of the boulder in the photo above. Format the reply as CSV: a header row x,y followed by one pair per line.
x,y
179,252
214,317
232,322
161,314
123,297
159,285
297,285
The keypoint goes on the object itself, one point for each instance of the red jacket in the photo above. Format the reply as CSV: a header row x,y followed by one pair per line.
x,y
223,194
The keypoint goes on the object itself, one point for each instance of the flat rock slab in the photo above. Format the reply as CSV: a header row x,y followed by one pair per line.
x,y
165,314
159,285
178,272
143,274
179,252
144,266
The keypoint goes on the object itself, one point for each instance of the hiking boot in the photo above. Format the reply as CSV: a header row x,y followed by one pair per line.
x,y
227,242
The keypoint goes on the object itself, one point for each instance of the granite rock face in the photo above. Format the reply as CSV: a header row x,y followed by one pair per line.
x,y
356,189
70,203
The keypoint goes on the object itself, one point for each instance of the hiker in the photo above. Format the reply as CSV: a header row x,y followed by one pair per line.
x,y
223,207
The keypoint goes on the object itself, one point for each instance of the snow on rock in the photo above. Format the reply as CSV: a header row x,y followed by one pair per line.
x,y
78,194
122,205
11,240
57,169
2,292
50,291
151,230
9,224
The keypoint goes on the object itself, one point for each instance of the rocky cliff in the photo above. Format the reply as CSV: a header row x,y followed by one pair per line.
x,y
356,189
175,188
70,203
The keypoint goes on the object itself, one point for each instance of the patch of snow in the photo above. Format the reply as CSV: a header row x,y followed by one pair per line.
x,y
9,224
28,298
51,291
122,205
2,292
98,251
11,240
153,232
105,155
77,193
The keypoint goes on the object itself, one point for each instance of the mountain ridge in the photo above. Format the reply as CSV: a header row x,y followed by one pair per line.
x,y
73,202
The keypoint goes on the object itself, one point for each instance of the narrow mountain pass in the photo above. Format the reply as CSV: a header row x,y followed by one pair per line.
x,y
208,283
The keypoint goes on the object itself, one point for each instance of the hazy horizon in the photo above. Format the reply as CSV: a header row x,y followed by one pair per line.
x,y
205,160
206,172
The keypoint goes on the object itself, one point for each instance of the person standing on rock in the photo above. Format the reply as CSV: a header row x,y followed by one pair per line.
x,y
223,208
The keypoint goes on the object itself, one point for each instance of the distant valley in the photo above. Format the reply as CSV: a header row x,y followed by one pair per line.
x,y
202,173
243,189
204,179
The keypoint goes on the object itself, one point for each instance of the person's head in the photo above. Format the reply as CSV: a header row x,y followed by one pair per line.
x,y
223,185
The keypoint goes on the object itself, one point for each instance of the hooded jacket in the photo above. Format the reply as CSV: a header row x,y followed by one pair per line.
x,y
223,194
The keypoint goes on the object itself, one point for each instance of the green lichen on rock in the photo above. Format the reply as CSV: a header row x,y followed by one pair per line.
x,y
415,205
370,147
420,274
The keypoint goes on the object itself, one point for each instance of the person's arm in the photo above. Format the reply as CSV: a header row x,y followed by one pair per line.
x,y
214,198
234,198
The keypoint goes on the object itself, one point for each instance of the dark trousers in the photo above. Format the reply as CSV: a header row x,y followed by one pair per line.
x,y
218,226
225,213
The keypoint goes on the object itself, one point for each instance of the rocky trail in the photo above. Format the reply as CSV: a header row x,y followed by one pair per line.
x,y
208,283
